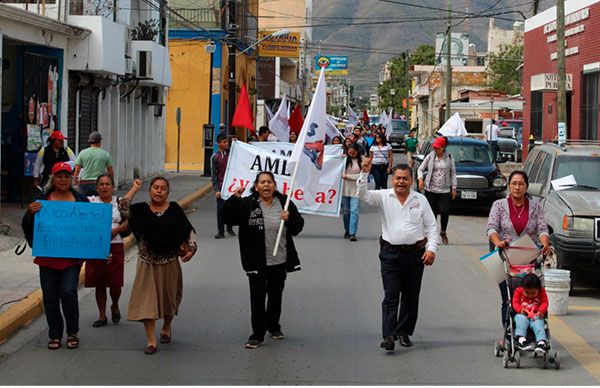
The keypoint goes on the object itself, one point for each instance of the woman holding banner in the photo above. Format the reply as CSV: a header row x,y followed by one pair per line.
x,y
513,217
350,200
259,216
59,278
109,274
164,234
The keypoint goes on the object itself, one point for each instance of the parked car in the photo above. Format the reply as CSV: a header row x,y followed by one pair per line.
x,y
510,143
479,180
572,214
399,132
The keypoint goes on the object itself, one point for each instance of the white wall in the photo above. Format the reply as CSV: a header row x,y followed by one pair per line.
x,y
132,134
161,68
103,51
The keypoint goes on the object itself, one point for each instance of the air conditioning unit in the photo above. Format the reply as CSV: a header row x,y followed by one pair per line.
x,y
144,64
155,96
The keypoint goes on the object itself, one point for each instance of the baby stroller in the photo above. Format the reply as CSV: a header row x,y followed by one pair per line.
x,y
509,351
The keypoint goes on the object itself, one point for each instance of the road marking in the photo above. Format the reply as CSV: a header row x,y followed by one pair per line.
x,y
584,308
577,347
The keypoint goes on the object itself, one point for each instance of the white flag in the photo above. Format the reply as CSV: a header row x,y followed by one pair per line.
x,y
388,127
279,124
269,113
352,118
332,131
306,161
454,127
383,118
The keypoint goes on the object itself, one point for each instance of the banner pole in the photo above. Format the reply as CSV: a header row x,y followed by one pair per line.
x,y
285,207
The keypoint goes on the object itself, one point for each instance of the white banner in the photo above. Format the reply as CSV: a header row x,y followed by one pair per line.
x,y
246,160
286,149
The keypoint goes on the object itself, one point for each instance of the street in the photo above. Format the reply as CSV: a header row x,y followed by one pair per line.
x,y
331,318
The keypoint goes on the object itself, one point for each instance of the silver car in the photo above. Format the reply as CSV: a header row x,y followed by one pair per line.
x,y
572,213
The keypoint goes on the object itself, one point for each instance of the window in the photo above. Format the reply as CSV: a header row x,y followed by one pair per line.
x,y
544,173
583,168
530,159
589,107
537,110
535,169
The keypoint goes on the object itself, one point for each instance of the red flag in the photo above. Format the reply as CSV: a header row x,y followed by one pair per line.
x,y
296,120
366,117
243,114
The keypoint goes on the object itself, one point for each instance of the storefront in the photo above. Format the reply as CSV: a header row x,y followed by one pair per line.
x,y
540,80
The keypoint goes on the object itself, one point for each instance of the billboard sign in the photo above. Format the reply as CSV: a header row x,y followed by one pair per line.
x,y
333,64
279,46
459,49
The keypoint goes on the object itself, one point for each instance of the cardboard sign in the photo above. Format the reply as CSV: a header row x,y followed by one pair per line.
x,y
73,230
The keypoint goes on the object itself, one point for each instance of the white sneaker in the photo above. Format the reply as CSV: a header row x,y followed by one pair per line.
x,y
523,345
540,348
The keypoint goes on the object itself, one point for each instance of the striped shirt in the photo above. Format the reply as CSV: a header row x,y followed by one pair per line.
x,y
272,219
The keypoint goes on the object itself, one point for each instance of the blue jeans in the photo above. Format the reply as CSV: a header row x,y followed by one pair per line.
x,y
380,175
350,211
522,323
88,189
59,287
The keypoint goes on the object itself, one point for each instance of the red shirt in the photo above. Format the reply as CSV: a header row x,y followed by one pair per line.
x,y
537,304
519,215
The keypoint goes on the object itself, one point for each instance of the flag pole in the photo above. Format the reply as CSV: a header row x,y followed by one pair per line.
x,y
285,208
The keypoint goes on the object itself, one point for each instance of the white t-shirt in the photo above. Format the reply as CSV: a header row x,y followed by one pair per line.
x,y
380,154
495,131
116,216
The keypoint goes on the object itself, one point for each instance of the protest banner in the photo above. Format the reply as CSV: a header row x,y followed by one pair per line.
x,y
286,149
74,230
246,160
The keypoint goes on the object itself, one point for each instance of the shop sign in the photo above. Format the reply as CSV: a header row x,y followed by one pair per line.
x,y
569,32
287,46
549,81
333,64
568,52
571,18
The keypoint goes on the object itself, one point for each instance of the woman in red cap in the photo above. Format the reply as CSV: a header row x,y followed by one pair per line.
x,y
440,182
59,278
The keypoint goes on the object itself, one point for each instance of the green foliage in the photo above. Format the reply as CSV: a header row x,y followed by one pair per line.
x,y
146,30
501,69
399,82
423,55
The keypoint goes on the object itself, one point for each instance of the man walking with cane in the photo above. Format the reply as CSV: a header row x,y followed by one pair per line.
x,y
408,243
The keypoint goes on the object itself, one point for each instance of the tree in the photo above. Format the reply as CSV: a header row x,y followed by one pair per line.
x,y
398,82
423,55
502,68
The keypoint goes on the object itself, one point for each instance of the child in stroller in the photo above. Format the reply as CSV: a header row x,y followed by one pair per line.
x,y
530,303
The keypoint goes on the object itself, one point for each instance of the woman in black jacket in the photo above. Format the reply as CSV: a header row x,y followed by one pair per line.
x,y
258,217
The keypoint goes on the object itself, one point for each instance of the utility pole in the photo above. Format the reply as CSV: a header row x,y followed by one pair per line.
x,y
562,77
448,61
408,84
231,36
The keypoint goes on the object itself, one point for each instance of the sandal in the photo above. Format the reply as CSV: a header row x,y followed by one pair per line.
x,y
54,344
115,316
165,338
150,349
72,341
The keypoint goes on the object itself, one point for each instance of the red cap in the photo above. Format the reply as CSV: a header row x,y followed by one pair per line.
x,y
439,142
57,135
61,166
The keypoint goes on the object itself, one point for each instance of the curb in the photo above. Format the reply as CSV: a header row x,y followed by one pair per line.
x,y
23,312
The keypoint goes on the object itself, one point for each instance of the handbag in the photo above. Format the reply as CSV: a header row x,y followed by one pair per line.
x,y
127,233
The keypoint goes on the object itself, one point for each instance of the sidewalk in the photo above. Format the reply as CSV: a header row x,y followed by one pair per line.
x,y
20,297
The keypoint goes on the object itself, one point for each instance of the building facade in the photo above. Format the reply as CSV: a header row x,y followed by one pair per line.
x,y
582,26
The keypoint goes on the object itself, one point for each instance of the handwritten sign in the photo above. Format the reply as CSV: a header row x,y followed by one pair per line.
x,y
75,230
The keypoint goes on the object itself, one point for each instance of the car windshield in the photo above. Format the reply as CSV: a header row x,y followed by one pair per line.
x,y
470,153
583,168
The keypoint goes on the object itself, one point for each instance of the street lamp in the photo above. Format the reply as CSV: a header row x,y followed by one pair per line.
x,y
283,32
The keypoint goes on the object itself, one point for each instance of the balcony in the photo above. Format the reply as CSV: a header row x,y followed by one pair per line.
x,y
104,49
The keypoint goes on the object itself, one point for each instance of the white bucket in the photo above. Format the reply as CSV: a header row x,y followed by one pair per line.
x,y
558,284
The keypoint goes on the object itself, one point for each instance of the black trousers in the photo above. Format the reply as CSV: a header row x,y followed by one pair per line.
x,y
266,286
440,204
401,272
220,223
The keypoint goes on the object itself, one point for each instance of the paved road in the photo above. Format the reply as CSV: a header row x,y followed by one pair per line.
x,y
331,317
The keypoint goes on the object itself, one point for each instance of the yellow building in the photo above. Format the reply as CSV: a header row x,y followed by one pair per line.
x,y
191,72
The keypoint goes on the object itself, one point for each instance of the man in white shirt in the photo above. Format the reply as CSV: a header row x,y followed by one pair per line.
x,y
408,243
491,135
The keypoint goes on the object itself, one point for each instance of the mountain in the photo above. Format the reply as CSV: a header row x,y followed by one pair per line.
x,y
372,31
